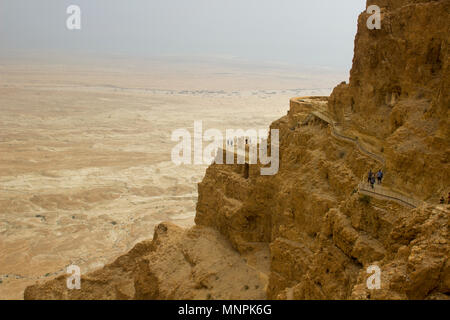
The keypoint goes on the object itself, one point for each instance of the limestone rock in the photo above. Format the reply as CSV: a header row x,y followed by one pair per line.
x,y
178,264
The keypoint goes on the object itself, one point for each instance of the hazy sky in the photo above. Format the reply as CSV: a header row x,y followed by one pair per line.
x,y
298,32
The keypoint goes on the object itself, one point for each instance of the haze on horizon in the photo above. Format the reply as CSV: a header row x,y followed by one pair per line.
x,y
290,32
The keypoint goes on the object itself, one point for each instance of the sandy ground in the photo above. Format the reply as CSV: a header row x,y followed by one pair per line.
x,y
85,156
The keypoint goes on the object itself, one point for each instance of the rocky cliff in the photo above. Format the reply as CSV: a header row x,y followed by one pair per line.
x,y
312,230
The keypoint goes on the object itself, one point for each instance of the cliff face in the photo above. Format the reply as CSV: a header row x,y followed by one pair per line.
x,y
398,93
323,235
312,230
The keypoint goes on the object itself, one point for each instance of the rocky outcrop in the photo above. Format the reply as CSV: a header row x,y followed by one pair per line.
x,y
322,234
177,264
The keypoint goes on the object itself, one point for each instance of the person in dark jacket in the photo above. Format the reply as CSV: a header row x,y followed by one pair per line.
x,y
372,181
369,177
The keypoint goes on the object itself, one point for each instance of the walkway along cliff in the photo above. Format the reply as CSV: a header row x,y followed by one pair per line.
x,y
312,230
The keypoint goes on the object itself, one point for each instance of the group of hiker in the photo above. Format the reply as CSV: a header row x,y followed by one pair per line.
x,y
379,177
371,177
442,201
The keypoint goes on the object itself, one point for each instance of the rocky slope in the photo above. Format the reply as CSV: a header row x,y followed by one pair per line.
x,y
308,232
177,264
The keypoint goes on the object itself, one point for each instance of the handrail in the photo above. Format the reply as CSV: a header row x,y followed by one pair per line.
x,y
327,117
365,187
389,194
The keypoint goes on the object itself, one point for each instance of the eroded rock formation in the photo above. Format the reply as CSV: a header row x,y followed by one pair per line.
x,y
322,233
177,264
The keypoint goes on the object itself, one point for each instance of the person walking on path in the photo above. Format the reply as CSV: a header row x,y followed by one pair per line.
x,y
379,176
372,181
369,178
442,201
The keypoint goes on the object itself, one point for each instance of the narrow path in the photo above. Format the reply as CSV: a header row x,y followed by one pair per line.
x,y
324,115
378,191
387,194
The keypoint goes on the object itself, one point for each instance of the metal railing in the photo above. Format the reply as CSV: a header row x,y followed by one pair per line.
x,y
324,115
363,187
388,194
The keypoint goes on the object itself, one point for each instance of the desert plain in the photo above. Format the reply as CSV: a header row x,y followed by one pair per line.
x,y
85,151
